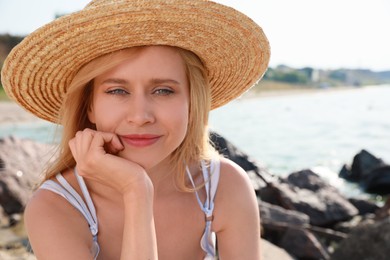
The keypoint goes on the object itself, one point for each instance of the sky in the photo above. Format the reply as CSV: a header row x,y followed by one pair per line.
x,y
323,34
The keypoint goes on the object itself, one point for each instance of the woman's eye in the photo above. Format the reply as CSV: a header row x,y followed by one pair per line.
x,y
117,91
163,91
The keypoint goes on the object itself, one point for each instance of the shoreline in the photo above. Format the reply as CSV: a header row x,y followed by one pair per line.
x,y
265,93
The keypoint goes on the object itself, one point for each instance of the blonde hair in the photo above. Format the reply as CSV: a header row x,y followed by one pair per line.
x,y
74,117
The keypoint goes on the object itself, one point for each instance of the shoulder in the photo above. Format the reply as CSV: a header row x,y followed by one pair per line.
x,y
45,203
52,224
233,178
235,193
236,214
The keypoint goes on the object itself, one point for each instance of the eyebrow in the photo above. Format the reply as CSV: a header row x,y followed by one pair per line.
x,y
152,81
162,81
114,81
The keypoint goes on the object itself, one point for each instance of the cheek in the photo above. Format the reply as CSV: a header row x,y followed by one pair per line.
x,y
181,123
103,116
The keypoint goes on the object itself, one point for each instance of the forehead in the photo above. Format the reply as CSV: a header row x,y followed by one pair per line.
x,y
150,60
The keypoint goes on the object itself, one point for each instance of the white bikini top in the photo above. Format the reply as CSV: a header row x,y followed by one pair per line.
x,y
210,175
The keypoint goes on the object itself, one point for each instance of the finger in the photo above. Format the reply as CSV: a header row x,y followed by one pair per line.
x,y
84,144
114,146
109,142
73,145
77,144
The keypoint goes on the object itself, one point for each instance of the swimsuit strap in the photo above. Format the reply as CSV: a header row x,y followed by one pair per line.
x,y
211,179
88,199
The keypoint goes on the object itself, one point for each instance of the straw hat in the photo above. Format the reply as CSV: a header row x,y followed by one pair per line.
x,y
233,48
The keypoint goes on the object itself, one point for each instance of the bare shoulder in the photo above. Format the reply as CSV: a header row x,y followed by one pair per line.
x,y
233,179
47,205
235,193
236,214
53,224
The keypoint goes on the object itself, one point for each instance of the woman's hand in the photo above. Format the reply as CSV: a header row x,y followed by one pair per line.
x,y
95,155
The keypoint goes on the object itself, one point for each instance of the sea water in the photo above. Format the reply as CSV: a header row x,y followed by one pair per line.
x,y
321,130
286,133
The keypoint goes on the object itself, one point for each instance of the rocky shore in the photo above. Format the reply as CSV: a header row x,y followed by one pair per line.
x,y
310,219
303,217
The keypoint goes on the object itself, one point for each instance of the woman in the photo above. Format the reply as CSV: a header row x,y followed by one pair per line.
x,y
132,83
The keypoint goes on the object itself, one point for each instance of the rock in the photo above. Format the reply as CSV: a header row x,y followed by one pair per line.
x,y
370,241
16,254
275,220
377,180
303,244
372,173
279,224
307,179
306,192
14,243
22,163
364,206
272,195
363,163
347,226
272,213
346,173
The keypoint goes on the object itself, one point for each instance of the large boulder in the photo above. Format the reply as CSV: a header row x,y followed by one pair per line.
x,y
363,163
275,214
306,192
371,172
21,165
303,244
364,206
377,180
279,225
368,241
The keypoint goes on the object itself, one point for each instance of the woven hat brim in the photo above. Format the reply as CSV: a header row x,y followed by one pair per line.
x,y
234,49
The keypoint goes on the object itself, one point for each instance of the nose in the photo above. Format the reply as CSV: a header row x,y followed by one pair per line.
x,y
141,110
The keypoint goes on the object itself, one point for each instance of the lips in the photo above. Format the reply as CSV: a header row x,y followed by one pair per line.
x,y
140,140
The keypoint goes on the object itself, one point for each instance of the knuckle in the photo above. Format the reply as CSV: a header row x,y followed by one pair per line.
x,y
89,131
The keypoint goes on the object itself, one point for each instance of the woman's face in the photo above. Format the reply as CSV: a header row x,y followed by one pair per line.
x,y
145,101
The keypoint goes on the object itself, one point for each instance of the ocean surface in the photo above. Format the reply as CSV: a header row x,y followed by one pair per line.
x,y
286,133
321,130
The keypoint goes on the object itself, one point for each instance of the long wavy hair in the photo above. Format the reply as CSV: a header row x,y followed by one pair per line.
x,y
74,113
